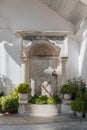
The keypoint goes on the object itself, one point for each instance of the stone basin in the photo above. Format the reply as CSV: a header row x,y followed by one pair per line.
x,y
44,110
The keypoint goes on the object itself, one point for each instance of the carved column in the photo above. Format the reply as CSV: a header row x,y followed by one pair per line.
x,y
23,69
63,61
66,47
21,46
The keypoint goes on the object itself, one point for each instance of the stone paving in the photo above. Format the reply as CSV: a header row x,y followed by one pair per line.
x,y
26,122
27,119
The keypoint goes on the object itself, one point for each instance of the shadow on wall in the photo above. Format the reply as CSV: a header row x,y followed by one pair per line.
x,y
83,62
12,51
6,85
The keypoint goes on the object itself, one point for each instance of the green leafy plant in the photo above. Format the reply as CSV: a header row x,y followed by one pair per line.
x,y
80,94
1,105
14,93
67,88
45,100
54,100
85,96
78,83
39,99
78,105
9,103
85,102
23,88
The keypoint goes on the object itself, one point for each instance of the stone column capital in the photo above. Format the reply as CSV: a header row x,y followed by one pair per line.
x,y
63,59
23,59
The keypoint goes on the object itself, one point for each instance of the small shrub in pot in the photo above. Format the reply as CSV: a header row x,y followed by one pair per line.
x,y
23,88
9,103
78,106
67,90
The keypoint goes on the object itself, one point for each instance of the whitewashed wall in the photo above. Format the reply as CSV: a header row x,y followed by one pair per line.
x,y
73,58
83,57
28,15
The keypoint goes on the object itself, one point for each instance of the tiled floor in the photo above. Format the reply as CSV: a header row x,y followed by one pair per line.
x,y
26,119
26,122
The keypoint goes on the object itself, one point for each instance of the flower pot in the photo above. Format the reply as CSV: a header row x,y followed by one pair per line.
x,y
8,112
79,114
23,97
67,96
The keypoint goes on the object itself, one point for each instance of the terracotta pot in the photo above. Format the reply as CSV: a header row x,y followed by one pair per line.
x,y
8,112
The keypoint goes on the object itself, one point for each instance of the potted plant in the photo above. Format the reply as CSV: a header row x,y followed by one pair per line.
x,y
78,106
23,90
67,90
9,104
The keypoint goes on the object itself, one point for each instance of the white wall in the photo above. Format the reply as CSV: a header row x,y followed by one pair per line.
x,y
83,57
31,15
73,58
27,15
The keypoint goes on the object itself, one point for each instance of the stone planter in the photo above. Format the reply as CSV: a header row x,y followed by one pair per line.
x,y
67,96
44,110
23,97
79,114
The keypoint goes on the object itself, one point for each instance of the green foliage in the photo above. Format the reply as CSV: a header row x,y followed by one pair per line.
x,y
80,94
85,106
85,102
23,88
67,88
39,100
78,105
80,97
9,103
78,87
14,93
78,83
85,96
54,100
0,105
45,100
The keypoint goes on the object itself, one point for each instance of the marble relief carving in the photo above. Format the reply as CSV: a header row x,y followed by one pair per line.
x,y
38,55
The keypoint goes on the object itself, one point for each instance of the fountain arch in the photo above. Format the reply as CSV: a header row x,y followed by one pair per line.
x,y
39,51
41,55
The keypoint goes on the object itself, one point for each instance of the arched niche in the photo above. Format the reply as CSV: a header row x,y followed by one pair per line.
x,y
42,54
42,48
48,55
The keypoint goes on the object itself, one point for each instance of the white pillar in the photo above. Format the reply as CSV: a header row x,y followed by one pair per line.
x,y
21,46
63,61
66,47
23,70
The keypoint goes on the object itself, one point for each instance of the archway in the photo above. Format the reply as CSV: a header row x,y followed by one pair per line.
x,y
42,54
47,56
